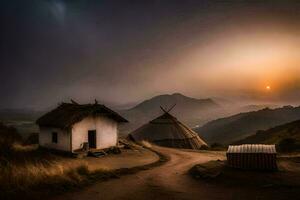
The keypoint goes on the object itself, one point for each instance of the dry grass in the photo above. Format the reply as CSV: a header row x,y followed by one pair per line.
x,y
24,148
27,172
30,173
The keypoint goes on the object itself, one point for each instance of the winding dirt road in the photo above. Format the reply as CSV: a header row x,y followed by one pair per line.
x,y
170,181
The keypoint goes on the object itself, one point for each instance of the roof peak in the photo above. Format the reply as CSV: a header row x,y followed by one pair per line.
x,y
167,110
165,118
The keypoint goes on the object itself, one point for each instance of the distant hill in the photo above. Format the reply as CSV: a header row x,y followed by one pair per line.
x,y
237,127
22,119
255,107
190,110
274,135
19,114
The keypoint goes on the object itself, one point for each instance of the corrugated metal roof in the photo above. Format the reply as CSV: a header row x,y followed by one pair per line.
x,y
251,148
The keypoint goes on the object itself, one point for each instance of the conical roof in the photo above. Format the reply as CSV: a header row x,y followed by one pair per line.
x,y
166,130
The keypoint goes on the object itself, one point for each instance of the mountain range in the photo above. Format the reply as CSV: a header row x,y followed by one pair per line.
x,y
191,111
230,129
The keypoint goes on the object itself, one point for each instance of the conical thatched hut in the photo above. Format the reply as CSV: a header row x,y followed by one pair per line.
x,y
167,131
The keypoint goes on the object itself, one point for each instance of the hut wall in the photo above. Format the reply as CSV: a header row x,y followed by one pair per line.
x,y
252,160
63,139
106,132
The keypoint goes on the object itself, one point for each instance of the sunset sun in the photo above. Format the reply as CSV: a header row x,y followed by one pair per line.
x,y
268,87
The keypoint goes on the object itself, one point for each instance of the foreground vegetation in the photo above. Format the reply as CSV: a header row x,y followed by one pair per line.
x,y
28,172
32,174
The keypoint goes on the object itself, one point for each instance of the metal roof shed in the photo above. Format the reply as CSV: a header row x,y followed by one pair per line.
x,y
252,156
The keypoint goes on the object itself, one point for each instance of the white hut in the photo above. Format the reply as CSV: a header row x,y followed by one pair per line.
x,y
71,125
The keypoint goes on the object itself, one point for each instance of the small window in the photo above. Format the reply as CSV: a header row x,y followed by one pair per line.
x,y
54,137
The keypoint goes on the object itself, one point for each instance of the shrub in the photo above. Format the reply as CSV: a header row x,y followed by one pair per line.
x,y
8,136
204,147
83,170
113,150
259,132
217,147
33,138
288,145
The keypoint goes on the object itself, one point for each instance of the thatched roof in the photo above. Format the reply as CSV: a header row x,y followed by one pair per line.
x,y
67,114
166,130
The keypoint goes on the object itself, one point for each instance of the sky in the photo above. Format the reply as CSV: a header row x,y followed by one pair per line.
x,y
122,52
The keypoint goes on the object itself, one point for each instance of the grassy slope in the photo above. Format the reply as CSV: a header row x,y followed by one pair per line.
x,y
275,135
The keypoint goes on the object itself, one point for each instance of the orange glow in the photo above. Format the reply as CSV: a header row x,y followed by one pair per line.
x,y
268,87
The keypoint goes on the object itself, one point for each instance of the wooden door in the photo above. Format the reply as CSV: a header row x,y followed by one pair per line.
x,y
92,139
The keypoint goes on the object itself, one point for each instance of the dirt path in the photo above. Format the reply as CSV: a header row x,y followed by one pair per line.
x,y
127,159
171,181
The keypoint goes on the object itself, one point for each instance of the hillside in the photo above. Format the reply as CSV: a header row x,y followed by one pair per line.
x,y
237,127
274,135
190,110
